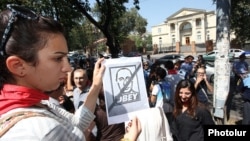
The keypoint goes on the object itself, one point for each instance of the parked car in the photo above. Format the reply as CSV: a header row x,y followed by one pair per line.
x,y
210,56
172,57
210,70
238,52
133,54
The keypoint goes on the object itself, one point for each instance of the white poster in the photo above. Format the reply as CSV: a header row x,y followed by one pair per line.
x,y
124,88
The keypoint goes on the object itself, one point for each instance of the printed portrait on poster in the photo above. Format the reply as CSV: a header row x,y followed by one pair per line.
x,y
124,88
125,85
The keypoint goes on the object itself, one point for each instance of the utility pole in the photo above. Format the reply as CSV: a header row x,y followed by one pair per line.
x,y
222,65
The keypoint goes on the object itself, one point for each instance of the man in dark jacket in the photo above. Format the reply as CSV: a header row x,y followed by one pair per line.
x,y
244,87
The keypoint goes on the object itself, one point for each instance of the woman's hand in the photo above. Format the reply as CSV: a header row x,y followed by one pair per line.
x,y
96,86
133,130
98,73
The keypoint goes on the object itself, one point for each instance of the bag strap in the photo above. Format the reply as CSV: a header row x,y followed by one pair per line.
x,y
205,93
10,120
163,122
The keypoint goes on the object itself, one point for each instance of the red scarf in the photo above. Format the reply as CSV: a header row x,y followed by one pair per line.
x,y
172,71
13,96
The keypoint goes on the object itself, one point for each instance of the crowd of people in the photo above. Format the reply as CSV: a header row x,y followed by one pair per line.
x,y
181,89
42,98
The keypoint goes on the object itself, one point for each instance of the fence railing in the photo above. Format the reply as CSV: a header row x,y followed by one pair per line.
x,y
166,48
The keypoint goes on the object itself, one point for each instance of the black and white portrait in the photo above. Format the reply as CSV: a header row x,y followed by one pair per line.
x,y
127,83
124,88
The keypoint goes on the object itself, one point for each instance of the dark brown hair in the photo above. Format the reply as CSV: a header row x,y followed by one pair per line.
x,y
193,102
27,37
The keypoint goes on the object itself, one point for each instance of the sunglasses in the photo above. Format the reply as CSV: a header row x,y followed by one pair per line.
x,y
17,12
202,73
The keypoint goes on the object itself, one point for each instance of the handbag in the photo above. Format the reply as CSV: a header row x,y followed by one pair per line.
x,y
167,107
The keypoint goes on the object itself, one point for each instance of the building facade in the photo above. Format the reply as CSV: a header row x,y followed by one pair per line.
x,y
184,28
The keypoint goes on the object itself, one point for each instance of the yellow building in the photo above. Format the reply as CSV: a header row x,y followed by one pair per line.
x,y
185,27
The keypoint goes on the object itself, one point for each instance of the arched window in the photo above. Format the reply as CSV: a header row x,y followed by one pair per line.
x,y
186,28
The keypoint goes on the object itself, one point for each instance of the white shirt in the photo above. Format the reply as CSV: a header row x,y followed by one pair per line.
x,y
56,125
79,96
157,92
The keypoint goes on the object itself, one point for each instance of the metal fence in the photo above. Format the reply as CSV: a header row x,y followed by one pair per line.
x,y
164,48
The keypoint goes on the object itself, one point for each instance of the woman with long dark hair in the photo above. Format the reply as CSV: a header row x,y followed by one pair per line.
x,y
189,117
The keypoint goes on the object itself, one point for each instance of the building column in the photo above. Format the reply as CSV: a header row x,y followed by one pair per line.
x,y
178,47
203,27
194,35
193,48
177,33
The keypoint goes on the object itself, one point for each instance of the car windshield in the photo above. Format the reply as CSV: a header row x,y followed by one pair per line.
x,y
211,53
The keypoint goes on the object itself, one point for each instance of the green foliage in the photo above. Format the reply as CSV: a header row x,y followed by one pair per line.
x,y
240,19
130,22
144,41
77,38
110,17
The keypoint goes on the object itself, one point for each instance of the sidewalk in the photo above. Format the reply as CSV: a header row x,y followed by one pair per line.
x,y
233,107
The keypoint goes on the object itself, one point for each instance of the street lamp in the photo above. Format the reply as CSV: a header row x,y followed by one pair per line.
x,y
160,44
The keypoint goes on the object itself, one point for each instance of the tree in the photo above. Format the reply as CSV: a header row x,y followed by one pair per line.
x,y
70,12
109,11
240,19
60,10
143,41
78,38
131,23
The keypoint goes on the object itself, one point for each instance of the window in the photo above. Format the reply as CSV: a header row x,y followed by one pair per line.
x,y
186,26
159,30
172,27
198,22
208,37
199,37
160,41
173,40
